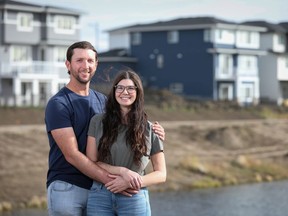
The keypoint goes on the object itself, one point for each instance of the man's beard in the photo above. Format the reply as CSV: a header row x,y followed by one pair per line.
x,y
82,81
77,76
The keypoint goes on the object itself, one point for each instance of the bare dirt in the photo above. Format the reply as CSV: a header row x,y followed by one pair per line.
x,y
199,152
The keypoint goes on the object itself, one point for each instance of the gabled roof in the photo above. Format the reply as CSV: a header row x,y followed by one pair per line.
x,y
115,52
22,6
8,4
188,23
117,55
271,27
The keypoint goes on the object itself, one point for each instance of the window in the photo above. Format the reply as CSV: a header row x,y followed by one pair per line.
x,y
225,64
173,37
24,22
248,39
60,54
20,53
281,39
65,24
247,92
226,91
224,36
247,62
176,88
160,61
219,33
136,38
208,35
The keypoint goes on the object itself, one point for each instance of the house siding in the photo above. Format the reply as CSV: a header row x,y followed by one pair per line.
x,y
13,35
30,67
185,62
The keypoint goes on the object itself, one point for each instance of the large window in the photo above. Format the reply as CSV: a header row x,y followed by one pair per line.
x,y
248,63
173,37
225,64
65,24
224,36
248,39
20,54
24,22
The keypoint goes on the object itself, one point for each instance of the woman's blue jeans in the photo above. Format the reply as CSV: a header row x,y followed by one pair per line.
x,y
102,202
66,199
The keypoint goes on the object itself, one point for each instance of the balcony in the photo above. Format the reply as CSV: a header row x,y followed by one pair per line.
x,y
223,74
32,69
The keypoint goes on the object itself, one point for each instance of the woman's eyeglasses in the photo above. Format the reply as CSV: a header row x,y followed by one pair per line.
x,y
121,88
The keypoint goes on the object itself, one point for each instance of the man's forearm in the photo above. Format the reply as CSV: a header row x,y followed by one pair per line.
x,y
89,168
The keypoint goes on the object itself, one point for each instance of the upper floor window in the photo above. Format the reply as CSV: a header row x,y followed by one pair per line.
x,y
60,54
65,24
136,38
208,35
221,36
224,36
248,39
24,22
20,53
173,37
281,39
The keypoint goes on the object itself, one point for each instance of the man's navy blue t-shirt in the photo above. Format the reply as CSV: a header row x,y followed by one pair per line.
x,y
68,109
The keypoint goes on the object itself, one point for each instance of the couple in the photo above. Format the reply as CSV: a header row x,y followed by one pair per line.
x,y
105,140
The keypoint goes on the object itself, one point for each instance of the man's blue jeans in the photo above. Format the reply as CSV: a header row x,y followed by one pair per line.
x,y
102,202
66,199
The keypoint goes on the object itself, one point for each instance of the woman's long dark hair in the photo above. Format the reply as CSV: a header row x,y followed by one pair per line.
x,y
136,121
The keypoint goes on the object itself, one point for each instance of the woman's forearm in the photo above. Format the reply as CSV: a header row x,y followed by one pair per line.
x,y
158,175
153,178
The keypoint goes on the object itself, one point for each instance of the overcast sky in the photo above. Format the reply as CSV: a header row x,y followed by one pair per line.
x,y
100,16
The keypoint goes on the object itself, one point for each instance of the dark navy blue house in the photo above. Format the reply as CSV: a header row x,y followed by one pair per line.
x,y
201,57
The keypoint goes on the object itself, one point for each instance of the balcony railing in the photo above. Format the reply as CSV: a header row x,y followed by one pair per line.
x,y
233,74
35,67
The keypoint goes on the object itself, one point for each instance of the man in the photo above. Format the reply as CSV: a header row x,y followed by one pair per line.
x,y
67,118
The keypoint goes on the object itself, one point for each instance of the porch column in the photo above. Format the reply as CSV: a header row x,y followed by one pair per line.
x,y
17,92
35,93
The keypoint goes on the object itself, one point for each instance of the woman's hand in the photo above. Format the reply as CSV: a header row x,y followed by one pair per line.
x,y
120,185
131,177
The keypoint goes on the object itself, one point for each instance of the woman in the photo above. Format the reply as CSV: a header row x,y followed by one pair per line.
x,y
122,141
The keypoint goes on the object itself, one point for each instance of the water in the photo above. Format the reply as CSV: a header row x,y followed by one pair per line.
x,y
265,199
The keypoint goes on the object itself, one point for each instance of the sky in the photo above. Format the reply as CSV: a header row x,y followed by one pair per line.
x,y
100,16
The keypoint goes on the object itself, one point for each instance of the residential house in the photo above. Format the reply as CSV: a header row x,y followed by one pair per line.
x,y
33,43
200,57
273,66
